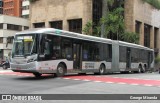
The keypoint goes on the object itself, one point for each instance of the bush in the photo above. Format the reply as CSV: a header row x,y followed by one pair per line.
x,y
157,59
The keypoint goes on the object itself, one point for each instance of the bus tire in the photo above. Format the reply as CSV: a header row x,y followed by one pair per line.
x,y
102,69
60,70
37,75
139,70
4,67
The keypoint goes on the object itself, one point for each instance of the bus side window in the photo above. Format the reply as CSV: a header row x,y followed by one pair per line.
x,y
67,49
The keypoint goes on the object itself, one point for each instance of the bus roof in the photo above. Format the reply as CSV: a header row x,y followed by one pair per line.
x,y
78,36
121,43
64,33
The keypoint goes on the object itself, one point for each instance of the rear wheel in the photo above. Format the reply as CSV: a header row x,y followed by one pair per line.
x,y
141,69
60,70
37,75
102,70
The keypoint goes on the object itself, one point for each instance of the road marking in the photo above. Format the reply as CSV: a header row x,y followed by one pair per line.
x,y
118,80
86,80
110,82
98,81
76,79
134,84
148,85
121,83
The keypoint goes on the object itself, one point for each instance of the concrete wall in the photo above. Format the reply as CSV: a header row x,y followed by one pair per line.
x,y
54,10
137,10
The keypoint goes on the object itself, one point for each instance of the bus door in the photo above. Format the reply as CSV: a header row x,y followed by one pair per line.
x,y
77,50
128,58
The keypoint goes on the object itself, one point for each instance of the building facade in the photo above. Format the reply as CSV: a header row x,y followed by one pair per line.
x,y
72,15
12,7
69,15
144,19
25,8
9,25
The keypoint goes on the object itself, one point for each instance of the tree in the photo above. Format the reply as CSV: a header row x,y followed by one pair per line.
x,y
131,37
91,29
88,28
114,23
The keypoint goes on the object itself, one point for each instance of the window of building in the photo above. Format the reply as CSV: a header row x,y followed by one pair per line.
x,y
75,25
1,25
26,27
9,40
39,25
1,39
97,11
147,33
14,27
56,24
138,27
156,31
25,16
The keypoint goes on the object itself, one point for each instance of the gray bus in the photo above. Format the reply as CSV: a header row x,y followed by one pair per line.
x,y
52,51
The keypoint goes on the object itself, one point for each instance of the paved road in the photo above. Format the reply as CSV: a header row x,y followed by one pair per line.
x,y
24,83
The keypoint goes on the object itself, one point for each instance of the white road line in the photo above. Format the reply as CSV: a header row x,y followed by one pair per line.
x,y
86,80
98,81
148,85
110,82
122,83
66,78
76,79
134,84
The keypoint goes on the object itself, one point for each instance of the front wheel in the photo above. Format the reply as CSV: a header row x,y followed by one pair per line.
x,y
60,70
4,66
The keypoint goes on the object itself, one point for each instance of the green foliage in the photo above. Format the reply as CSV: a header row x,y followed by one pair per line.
x,y
157,59
154,3
114,22
90,29
32,1
131,37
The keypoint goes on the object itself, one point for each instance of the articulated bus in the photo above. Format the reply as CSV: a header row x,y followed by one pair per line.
x,y
52,51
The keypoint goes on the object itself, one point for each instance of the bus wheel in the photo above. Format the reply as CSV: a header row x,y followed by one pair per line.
x,y
139,70
37,75
60,70
4,66
102,70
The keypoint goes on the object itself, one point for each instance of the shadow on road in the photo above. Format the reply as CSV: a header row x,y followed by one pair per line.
x,y
35,78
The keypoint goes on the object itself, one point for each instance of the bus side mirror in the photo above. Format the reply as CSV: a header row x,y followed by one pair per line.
x,y
9,39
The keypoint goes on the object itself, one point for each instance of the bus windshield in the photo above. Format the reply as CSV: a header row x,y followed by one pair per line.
x,y
24,45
